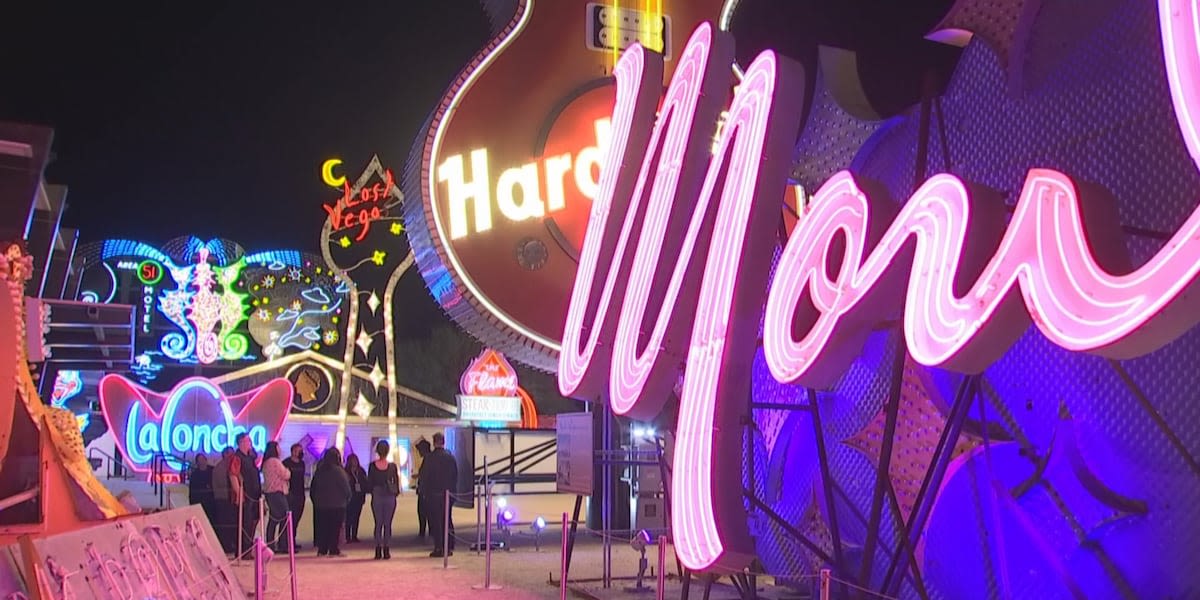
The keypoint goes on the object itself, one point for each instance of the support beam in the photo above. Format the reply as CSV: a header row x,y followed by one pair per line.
x,y
882,471
827,484
934,476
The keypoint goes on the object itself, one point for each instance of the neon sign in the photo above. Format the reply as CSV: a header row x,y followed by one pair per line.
x,y
67,385
195,417
360,209
518,189
149,272
1041,268
207,319
490,392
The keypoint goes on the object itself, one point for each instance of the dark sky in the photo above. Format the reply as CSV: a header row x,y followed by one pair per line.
x,y
212,118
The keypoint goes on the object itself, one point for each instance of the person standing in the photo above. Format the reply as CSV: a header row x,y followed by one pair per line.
x,y
224,509
295,496
330,492
423,450
200,486
246,485
439,474
275,486
358,496
384,482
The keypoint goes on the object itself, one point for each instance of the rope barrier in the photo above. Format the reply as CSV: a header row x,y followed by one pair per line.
x,y
860,588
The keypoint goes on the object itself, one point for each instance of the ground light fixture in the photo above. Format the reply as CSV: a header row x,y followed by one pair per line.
x,y
538,525
639,542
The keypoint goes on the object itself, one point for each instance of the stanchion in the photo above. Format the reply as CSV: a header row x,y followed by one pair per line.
x,y
238,559
260,574
825,584
562,577
487,556
662,568
478,500
446,532
291,532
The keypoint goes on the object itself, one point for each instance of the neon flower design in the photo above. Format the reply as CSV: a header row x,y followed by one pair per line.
x,y
198,309
1043,267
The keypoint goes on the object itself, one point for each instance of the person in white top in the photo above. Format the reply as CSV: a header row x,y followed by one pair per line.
x,y
275,488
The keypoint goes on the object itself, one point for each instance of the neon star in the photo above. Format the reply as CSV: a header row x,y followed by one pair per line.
x,y
344,242
378,257
397,228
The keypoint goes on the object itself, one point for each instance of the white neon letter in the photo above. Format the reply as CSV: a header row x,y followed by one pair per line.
x,y
459,191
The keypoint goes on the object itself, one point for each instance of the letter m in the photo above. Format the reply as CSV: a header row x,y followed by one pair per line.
x,y
675,265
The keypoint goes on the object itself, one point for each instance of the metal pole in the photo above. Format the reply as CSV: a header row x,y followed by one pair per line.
x,y
487,539
260,584
446,532
483,488
824,584
238,558
487,561
662,568
609,493
479,518
562,577
291,531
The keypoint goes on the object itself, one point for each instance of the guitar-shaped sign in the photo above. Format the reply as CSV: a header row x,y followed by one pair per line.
x,y
510,161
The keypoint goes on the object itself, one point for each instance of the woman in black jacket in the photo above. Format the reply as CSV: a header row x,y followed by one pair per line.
x,y
358,496
330,492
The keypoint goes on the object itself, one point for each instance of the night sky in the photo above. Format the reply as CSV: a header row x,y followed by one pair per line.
x,y
212,118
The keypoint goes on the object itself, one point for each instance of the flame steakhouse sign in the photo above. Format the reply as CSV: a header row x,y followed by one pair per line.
x,y
699,229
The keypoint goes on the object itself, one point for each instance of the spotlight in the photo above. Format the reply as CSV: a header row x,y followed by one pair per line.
x,y
506,516
641,540
539,524
502,502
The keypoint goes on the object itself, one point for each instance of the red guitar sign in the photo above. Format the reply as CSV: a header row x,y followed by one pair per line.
x,y
511,162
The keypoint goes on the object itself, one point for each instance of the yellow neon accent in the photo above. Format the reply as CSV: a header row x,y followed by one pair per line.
x,y
616,46
327,173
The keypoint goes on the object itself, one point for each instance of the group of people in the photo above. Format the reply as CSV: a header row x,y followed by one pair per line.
x,y
230,492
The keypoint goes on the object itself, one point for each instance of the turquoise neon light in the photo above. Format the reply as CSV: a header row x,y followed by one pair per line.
x,y
145,439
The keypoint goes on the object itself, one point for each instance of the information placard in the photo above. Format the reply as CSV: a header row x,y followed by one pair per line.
x,y
576,453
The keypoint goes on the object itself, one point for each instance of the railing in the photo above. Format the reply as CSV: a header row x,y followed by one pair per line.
x,y
110,462
513,468
158,474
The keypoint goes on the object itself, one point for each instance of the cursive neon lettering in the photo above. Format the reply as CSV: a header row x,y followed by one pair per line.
x,y
342,216
746,177
972,282
145,439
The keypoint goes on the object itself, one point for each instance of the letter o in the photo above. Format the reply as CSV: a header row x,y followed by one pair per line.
x,y
181,438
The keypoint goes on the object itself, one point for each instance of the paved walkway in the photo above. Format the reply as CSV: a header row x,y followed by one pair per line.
x,y
522,573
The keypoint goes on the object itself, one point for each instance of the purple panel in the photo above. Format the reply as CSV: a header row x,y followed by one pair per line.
x,y
1091,100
